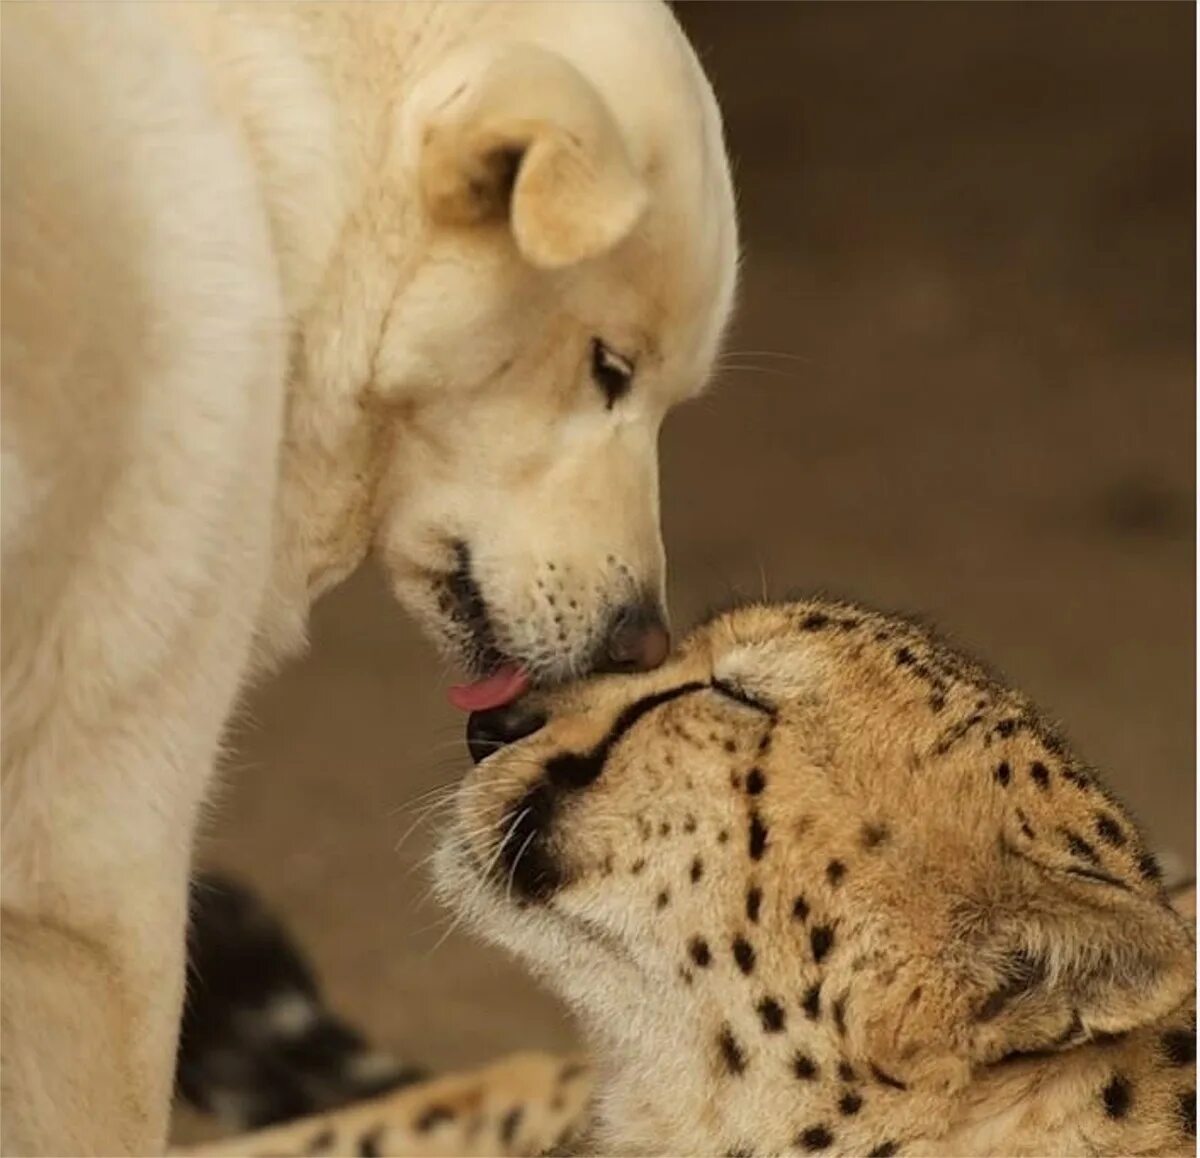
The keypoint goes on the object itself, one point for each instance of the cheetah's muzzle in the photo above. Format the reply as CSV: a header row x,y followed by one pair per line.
x,y
526,857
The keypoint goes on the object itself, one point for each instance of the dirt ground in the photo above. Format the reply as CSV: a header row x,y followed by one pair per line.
x,y
962,383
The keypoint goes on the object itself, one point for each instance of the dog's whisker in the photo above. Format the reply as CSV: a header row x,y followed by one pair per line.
x,y
783,355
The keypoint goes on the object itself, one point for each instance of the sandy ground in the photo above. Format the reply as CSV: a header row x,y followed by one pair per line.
x,y
962,383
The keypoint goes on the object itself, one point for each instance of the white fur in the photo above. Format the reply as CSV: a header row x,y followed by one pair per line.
x,y
257,325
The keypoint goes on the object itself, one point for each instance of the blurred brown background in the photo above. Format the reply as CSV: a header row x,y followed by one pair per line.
x,y
961,383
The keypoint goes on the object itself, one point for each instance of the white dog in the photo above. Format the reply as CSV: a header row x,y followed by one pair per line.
x,y
285,286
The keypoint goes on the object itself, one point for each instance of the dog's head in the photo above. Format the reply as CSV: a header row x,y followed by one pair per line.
x,y
575,271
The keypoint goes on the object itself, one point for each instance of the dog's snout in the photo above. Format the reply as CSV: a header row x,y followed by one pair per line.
x,y
638,641
491,730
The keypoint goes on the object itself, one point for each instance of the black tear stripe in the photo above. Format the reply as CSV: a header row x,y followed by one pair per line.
x,y
524,859
578,770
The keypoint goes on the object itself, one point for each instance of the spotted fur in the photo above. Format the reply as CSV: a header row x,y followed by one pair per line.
x,y
901,915
525,1104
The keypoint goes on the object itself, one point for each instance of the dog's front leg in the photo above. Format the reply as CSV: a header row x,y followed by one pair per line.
x,y
97,856
90,1008
87,1041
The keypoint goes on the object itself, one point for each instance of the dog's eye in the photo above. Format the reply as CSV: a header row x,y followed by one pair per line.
x,y
611,372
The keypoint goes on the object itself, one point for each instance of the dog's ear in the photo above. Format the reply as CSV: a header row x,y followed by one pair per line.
x,y
517,133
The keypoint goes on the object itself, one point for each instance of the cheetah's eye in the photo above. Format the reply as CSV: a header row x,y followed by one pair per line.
x,y
612,372
740,696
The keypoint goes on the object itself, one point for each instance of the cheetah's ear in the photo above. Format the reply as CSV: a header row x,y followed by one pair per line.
x,y
1078,959
1029,960
515,132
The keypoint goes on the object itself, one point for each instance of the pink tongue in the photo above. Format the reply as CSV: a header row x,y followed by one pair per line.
x,y
494,691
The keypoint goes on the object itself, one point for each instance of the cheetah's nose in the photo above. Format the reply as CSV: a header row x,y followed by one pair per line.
x,y
637,641
489,731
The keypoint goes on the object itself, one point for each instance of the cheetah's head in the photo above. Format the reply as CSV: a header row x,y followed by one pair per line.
x,y
808,883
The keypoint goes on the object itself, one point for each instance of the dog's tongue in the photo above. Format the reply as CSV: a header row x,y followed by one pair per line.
x,y
494,691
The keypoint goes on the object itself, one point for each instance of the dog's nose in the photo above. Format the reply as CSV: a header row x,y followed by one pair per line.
x,y
638,641
489,731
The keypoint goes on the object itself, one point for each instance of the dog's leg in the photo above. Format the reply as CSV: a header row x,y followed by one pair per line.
x,y
99,824
99,815
89,1032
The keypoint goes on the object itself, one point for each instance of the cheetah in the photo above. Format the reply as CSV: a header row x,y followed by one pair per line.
x,y
821,884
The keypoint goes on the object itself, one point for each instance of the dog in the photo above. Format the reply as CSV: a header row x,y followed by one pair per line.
x,y
287,286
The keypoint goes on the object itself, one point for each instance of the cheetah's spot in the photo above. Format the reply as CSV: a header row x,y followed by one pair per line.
x,y
812,1002
821,940
1117,1097
1108,830
758,837
804,1067
1149,867
731,1052
1187,1112
849,1104
431,1117
510,1124
815,1139
839,1016
771,1014
873,835
1079,847
1179,1045
370,1145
